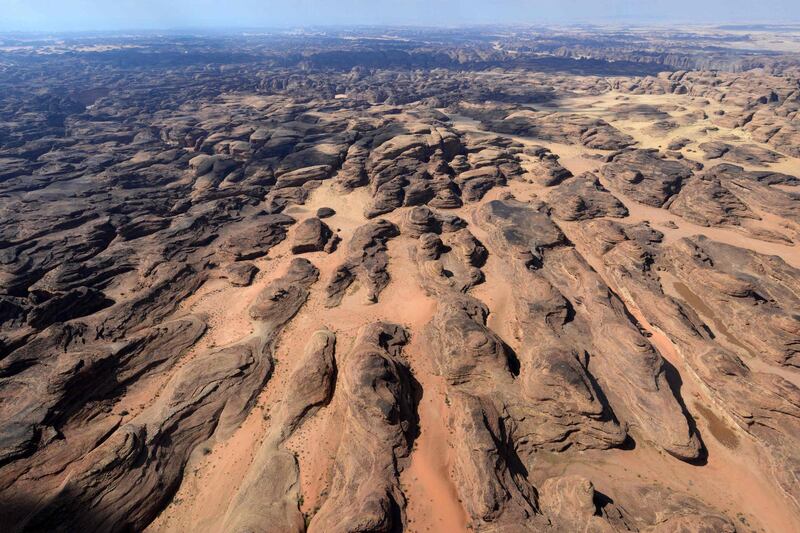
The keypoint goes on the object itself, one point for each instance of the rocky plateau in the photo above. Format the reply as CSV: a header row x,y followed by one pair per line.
x,y
454,282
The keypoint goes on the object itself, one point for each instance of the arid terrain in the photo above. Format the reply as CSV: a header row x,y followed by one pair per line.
x,y
401,280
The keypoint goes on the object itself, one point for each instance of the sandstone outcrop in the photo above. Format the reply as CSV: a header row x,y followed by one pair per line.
x,y
645,176
313,235
366,261
584,197
377,397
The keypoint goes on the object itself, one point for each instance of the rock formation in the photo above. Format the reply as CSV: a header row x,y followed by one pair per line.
x,y
375,280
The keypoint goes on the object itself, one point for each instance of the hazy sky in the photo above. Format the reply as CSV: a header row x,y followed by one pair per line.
x,y
53,15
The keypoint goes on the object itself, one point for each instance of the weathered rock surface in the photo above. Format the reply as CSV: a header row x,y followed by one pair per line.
x,y
639,395
241,274
583,198
268,496
564,128
422,219
740,153
251,241
738,298
727,195
537,321
325,212
545,168
645,176
211,394
313,235
367,261
767,396
705,201
378,409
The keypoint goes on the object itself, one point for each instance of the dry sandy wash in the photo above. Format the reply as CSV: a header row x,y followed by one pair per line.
x,y
253,310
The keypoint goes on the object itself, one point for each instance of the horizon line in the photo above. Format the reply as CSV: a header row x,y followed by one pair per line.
x,y
732,25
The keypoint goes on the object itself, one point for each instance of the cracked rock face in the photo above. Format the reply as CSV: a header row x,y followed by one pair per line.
x,y
645,176
465,282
